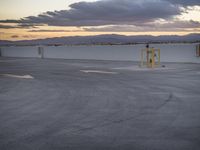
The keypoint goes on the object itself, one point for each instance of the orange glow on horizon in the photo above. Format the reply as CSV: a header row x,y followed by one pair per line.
x,y
24,35
10,9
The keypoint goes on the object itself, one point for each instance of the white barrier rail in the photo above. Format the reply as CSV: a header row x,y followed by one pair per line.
x,y
169,52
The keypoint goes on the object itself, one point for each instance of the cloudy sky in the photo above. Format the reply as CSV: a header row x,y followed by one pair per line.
x,y
33,19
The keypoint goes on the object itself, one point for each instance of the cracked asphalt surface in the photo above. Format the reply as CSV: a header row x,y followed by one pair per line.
x,y
64,108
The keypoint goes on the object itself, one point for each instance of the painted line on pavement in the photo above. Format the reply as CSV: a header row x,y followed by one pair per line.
x,y
98,71
18,76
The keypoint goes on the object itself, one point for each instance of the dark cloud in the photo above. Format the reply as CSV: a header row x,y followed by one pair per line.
x,y
55,30
14,36
24,36
10,21
180,24
28,25
28,36
19,25
105,12
176,25
6,26
185,2
137,15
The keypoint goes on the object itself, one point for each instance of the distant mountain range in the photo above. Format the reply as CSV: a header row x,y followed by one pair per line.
x,y
106,40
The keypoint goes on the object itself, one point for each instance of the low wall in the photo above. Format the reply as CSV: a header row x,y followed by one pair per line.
x,y
25,51
169,52
93,52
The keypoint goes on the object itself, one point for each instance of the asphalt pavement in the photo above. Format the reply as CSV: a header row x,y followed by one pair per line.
x,y
55,104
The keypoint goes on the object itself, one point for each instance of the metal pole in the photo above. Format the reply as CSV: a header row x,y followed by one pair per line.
x,y
147,53
142,59
159,57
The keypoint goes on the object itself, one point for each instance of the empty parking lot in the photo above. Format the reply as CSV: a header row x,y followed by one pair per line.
x,y
54,104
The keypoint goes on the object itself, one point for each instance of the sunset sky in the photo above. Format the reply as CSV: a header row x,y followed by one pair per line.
x,y
34,19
